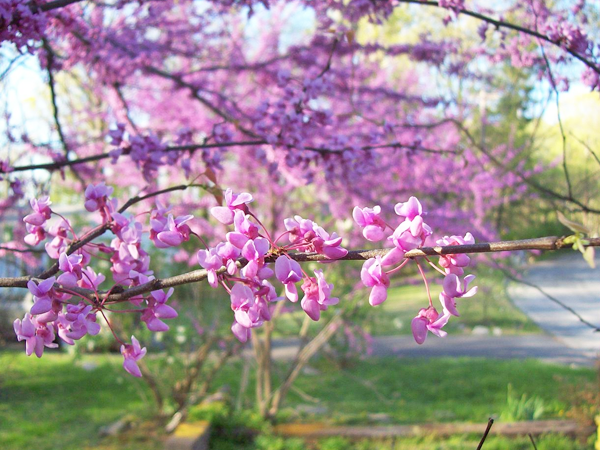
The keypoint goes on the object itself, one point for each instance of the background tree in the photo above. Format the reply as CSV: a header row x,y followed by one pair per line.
x,y
310,107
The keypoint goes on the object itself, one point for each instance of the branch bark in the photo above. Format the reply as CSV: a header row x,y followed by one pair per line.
x,y
543,243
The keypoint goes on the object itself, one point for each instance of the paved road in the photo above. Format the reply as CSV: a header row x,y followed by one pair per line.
x,y
567,340
543,347
570,280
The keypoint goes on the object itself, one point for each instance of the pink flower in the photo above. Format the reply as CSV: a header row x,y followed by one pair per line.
x,y
246,311
454,263
43,292
229,254
36,234
42,211
158,309
244,306
36,335
59,244
81,320
367,218
70,265
254,251
454,288
288,272
410,209
91,280
317,295
233,202
373,275
97,198
310,237
171,232
131,354
211,261
429,320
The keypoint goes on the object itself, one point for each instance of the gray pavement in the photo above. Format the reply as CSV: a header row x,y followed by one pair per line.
x,y
565,341
542,347
569,279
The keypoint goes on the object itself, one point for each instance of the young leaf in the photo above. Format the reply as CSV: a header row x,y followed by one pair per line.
x,y
573,226
588,255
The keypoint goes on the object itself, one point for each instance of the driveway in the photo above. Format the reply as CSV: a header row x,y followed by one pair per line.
x,y
569,279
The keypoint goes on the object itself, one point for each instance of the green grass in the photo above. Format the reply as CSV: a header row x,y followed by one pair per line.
x,y
438,390
491,308
55,403
459,442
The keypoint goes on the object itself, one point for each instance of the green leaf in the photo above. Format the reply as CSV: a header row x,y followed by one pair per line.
x,y
573,226
588,255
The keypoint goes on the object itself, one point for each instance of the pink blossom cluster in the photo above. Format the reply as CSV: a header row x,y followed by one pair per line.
x,y
412,234
20,24
252,294
51,313
568,36
54,312
35,221
149,153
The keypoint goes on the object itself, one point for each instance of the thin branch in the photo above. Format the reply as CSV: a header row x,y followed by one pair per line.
x,y
126,151
485,434
52,5
21,250
125,107
99,231
193,147
511,26
522,177
51,84
559,118
587,147
532,441
544,243
329,59
553,299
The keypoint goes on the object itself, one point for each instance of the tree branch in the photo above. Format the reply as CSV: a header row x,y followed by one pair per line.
x,y
511,26
544,243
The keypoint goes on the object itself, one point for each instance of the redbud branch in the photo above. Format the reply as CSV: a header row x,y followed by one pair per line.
x,y
22,250
529,181
193,147
559,118
551,298
503,24
543,243
101,229
485,434
51,84
101,156
51,5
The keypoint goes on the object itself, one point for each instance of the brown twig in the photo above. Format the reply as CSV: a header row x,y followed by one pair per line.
x,y
512,26
543,243
485,434
532,441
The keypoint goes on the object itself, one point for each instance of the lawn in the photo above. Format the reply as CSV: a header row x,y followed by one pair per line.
x,y
53,403
490,308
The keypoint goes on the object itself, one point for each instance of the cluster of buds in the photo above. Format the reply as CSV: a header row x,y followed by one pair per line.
x,y
411,234
244,264
252,294
54,312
